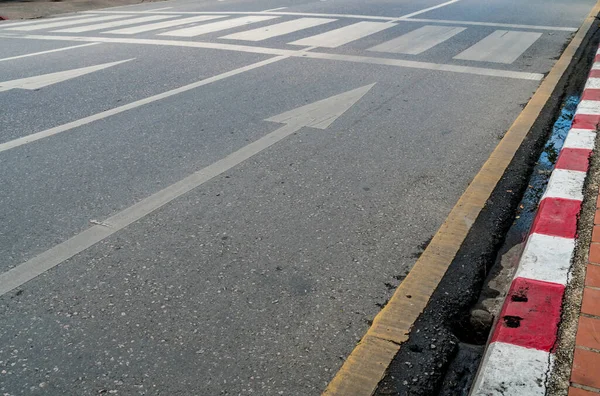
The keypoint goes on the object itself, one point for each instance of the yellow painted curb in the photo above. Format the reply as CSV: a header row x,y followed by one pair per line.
x,y
365,367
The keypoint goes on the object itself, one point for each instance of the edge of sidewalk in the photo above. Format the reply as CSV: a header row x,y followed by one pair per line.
x,y
521,352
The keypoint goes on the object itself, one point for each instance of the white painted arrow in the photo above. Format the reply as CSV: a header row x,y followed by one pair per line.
x,y
44,80
322,113
316,115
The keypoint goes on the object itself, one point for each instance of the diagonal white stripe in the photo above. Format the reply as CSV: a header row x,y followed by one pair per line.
x,y
419,40
278,29
344,35
108,25
217,26
502,46
164,24
51,25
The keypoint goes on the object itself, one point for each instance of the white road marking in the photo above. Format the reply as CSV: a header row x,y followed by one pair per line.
x,y
5,24
275,9
278,13
412,14
165,24
278,29
419,40
502,46
37,82
47,52
492,24
344,35
426,66
108,25
117,110
50,25
322,113
313,55
374,18
216,26
157,9
321,116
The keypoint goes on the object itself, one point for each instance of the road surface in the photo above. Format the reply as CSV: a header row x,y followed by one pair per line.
x,y
216,197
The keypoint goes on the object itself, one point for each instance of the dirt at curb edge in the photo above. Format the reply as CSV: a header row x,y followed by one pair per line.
x,y
43,8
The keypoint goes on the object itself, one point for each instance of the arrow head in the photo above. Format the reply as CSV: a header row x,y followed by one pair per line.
x,y
44,80
324,112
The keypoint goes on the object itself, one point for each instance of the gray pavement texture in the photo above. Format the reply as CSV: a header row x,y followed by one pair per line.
x,y
262,280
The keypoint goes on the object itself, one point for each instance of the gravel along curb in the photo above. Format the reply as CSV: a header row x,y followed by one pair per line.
x,y
520,353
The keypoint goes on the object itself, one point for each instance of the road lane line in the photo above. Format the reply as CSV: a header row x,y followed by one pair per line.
x,y
502,46
278,13
480,71
216,26
419,40
275,9
344,35
157,9
48,51
367,364
50,25
107,113
368,17
108,25
412,14
492,24
278,29
173,43
164,24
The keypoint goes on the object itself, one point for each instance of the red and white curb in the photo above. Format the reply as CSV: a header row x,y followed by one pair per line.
x,y
521,350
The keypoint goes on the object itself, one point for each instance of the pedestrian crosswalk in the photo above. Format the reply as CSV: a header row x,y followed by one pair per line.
x,y
500,46
419,40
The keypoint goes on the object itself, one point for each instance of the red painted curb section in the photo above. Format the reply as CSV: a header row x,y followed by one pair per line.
x,y
591,94
594,73
530,315
576,159
586,121
557,217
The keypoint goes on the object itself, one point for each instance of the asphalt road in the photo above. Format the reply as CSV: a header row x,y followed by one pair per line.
x,y
261,274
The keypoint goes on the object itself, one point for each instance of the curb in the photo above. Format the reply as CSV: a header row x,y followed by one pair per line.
x,y
520,353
